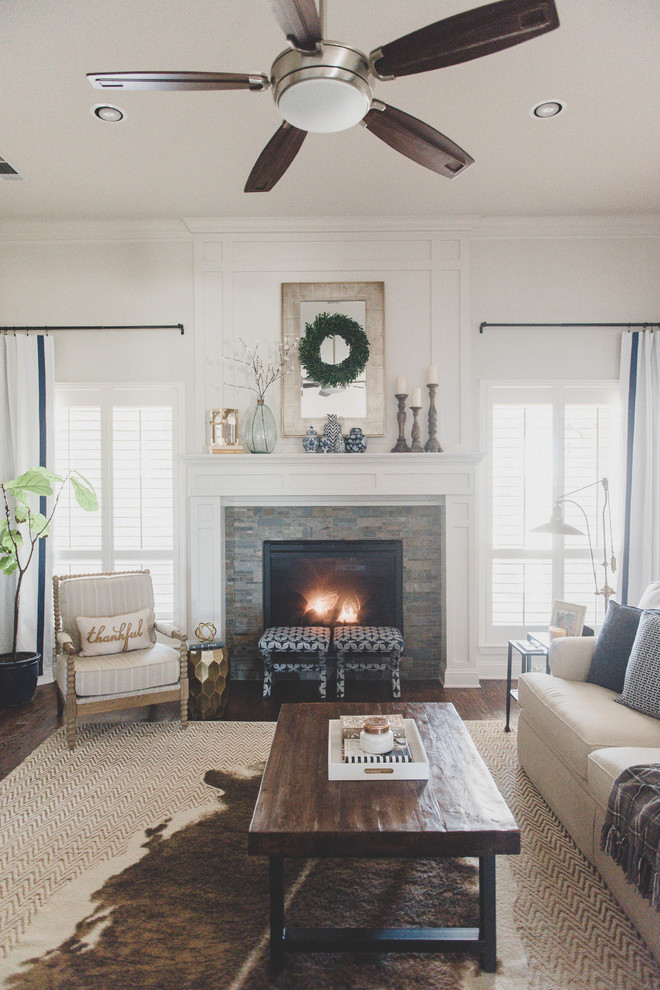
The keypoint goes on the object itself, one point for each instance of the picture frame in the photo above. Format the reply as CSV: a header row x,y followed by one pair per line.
x,y
365,407
568,616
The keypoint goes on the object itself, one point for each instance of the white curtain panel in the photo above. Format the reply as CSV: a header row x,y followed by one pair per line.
x,y
27,374
640,385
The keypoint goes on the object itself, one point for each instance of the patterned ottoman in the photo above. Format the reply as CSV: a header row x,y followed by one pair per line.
x,y
349,641
295,639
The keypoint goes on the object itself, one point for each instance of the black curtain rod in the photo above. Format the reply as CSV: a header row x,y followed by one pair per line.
x,y
140,326
644,326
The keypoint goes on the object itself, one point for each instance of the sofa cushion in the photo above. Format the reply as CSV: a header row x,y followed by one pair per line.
x,y
122,673
575,718
613,646
605,765
641,689
651,596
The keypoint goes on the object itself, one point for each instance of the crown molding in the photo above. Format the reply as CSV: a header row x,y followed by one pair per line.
x,y
185,228
475,226
93,230
632,225
322,225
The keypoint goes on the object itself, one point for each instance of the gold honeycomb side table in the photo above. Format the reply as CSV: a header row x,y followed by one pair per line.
x,y
208,679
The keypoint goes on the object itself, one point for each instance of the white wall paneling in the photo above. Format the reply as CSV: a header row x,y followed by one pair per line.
x,y
425,278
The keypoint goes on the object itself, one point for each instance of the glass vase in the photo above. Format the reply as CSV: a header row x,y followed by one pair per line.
x,y
260,430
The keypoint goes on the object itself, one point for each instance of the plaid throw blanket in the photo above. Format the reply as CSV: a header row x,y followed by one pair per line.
x,y
631,832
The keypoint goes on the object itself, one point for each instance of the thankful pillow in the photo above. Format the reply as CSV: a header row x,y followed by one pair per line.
x,y
115,633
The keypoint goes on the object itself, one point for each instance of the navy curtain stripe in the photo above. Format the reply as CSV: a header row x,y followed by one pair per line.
x,y
43,453
630,436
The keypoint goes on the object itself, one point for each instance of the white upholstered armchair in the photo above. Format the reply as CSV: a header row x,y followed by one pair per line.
x,y
109,655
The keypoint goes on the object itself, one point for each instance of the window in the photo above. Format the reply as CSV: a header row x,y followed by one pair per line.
x,y
123,441
546,441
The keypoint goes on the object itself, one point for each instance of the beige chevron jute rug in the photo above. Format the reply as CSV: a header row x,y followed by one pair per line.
x,y
124,865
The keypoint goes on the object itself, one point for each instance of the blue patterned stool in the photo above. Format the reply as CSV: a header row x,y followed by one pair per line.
x,y
295,639
349,641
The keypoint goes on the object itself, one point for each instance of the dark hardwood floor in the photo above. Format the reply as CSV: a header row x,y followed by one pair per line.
x,y
23,729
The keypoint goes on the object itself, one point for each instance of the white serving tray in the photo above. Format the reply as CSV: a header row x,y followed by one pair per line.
x,y
418,769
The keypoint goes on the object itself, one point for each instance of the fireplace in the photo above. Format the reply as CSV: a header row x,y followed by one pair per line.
x,y
248,529
333,583
236,503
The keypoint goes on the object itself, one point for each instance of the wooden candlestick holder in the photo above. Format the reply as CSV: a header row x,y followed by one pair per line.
x,y
416,446
401,446
432,444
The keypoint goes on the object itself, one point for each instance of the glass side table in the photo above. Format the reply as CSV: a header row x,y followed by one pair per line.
x,y
536,645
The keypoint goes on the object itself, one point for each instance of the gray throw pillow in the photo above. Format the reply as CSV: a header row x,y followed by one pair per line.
x,y
641,689
613,646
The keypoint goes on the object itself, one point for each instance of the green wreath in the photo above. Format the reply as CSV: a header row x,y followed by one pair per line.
x,y
334,325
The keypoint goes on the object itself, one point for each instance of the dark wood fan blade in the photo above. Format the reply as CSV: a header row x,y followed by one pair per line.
x,y
300,21
178,80
416,140
275,159
465,36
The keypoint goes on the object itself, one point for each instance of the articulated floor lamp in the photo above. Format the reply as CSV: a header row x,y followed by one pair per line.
x,y
557,526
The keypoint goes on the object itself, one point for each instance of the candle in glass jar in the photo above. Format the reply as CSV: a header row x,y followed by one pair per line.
x,y
401,385
432,375
416,399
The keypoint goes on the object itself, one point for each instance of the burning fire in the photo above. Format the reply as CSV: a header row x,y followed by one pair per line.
x,y
350,611
325,605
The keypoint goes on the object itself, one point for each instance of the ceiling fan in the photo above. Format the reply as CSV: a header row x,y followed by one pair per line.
x,y
320,85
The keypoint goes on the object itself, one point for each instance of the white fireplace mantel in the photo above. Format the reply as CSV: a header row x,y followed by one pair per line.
x,y
218,480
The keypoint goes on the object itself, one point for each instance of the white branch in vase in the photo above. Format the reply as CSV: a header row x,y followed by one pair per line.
x,y
264,374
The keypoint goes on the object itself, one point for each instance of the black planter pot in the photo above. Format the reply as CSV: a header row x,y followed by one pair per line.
x,y
18,678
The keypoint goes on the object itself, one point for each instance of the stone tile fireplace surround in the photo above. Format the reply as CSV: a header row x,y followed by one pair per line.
x,y
421,531
428,499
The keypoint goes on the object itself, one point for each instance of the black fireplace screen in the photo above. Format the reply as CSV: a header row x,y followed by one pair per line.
x,y
332,582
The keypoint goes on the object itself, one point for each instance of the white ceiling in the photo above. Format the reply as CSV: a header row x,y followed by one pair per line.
x,y
189,154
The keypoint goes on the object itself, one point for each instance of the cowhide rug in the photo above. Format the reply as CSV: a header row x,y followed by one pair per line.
x,y
125,865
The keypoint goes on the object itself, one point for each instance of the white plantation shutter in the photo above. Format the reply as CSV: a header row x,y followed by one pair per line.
x,y
124,444
78,445
545,441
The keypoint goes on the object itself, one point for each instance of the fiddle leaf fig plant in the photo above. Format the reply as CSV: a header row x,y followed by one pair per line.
x,y
22,526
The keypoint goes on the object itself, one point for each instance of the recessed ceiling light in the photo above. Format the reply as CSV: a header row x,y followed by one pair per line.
x,y
548,108
108,113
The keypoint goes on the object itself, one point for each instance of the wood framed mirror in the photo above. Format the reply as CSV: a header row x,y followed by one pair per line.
x,y
361,403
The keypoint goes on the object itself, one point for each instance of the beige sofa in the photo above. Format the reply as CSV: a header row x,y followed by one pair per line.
x,y
573,741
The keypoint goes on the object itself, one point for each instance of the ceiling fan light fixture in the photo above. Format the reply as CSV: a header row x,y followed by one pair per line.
x,y
323,105
547,109
323,91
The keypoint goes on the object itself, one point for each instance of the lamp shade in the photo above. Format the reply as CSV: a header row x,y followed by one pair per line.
x,y
557,526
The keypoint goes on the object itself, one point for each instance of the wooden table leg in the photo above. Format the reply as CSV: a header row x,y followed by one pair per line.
x,y
276,871
487,930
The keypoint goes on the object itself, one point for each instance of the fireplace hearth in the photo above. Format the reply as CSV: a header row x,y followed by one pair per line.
x,y
333,583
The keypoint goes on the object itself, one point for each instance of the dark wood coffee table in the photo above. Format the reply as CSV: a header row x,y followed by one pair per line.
x,y
457,812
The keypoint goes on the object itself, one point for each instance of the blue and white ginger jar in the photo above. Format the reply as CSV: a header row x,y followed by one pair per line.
x,y
355,441
311,441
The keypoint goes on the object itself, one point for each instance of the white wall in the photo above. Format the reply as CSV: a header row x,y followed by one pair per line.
x,y
87,282
568,279
442,279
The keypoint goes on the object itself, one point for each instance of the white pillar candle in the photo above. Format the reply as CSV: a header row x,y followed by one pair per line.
x,y
416,397
401,386
432,375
